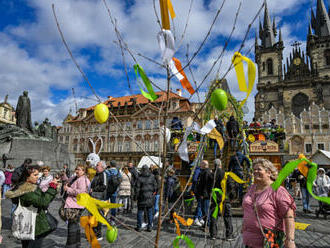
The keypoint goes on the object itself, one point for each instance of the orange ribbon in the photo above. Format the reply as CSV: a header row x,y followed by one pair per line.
x,y
180,219
182,76
88,222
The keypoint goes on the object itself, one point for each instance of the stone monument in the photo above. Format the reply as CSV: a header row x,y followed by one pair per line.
x,y
22,140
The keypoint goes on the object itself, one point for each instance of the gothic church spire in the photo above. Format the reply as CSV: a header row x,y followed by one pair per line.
x,y
267,33
320,22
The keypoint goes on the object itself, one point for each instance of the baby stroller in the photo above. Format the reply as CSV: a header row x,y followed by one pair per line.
x,y
323,209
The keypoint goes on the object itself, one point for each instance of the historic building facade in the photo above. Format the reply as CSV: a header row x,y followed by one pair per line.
x,y
7,112
304,78
135,124
306,134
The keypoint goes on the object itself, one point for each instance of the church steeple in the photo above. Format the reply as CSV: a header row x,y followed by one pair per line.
x,y
267,33
320,23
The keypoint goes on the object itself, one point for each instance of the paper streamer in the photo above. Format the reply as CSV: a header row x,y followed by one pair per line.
x,y
188,241
166,44
301,226
224,185
88,222
176,68
189,201
171,9
311,176
237,61
151,95
180,219
183,148
215,198
208,127
214,134
92,205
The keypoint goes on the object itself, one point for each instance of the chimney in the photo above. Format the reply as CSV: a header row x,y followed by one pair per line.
x,y
6,98
179,92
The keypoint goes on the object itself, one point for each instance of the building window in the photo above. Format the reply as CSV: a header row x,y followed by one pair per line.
x,y
127,146
120,146
308,148
263,66
316,126
156,124
325,126
128,126
75,148
148,124
306,127
320,146
147,145
139,124
67,139
156,146
269,66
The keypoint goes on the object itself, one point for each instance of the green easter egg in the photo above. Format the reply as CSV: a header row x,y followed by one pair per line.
x,y
112,235
219,99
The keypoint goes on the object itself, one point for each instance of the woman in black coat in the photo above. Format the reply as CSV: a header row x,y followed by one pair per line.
x,y
146,188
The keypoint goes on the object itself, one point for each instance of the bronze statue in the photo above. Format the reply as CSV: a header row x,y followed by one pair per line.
x,y
23,112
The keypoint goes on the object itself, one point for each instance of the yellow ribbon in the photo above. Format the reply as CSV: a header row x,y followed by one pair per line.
x,y
237,61
180,219
165,7
214,134
88,222
92,205
224,184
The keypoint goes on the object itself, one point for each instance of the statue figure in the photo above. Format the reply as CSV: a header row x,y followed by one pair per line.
x,y
36,130
23,112
54,133
45,129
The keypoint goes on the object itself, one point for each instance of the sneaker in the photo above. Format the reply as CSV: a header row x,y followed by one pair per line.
x,y
202,222
212,238
230,238
100,238
156,215
197,223
138,229
144,225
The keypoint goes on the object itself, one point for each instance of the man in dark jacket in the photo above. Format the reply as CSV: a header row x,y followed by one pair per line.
x,y
99,191
198,214
219,175
204,187
232,127
135,176
146,187
171,191
236,163
303,189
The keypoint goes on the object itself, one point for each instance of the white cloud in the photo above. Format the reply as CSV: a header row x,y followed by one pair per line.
x,y
37,61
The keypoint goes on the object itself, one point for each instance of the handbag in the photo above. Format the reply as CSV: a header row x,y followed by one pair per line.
x,y
24,222
272,238
52,222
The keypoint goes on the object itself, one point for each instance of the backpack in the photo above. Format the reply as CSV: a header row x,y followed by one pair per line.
x,y
113,183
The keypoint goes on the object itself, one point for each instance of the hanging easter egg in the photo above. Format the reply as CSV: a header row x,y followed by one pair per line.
x,y
112,234
251,138
101,113
219,99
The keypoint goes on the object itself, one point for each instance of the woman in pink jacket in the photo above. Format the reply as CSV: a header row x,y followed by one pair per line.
x,y
76,185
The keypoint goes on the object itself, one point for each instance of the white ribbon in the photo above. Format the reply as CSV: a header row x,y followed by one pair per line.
x,y
183,148
167,133
166,43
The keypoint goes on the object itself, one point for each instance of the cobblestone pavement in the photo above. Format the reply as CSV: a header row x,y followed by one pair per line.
x,y
129,238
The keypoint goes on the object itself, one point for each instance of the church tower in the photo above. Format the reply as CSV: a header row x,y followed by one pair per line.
x,y
318,50
268,57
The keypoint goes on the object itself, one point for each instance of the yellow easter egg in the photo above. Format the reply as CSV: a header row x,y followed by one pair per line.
x,y
101,113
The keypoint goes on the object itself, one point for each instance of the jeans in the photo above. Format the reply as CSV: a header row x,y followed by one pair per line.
x,y
305,198
198,214
113,199
125,200
156,205
149,215
5,188
205,208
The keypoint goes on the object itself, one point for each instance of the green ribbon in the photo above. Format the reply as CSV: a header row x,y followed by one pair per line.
x,y
188,241
214,197
151,95
189,201
311,176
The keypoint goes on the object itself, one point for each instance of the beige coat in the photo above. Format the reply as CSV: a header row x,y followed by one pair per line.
x,y
125,185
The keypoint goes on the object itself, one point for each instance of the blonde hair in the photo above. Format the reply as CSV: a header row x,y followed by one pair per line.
x,y
268,166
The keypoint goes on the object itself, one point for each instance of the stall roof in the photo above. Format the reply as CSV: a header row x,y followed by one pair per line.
x,y
321,157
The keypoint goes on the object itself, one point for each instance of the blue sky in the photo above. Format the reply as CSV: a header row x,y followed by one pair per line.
x,y
33,57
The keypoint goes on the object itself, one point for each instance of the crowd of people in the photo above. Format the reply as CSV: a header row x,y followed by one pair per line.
x,y
265,210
